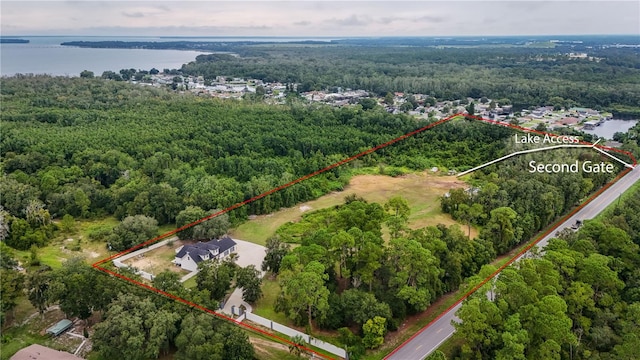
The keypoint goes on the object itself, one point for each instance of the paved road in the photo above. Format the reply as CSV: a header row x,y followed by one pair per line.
x,y
437,332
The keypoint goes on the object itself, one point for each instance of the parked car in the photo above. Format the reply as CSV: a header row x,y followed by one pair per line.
x,y
577,225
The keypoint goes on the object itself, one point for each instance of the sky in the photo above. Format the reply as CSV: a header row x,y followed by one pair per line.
x,y
318,18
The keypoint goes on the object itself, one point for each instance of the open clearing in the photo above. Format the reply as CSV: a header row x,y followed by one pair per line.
x,y
421,190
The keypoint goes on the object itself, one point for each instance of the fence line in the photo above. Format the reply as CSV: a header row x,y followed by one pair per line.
x,y
144,250
189,276
118,262
293,332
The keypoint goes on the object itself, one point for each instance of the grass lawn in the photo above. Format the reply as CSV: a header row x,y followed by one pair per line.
x,y
265,306
163,229
268,349
59,250
191,283
23,310
421,190
264,226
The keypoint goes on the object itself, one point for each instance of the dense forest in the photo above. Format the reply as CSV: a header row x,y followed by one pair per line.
x,y
64,151
579,299
526,76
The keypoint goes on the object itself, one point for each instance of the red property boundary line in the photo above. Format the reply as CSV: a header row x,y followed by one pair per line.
x,y
97,265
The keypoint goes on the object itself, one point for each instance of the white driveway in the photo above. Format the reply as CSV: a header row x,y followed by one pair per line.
x,y
248,254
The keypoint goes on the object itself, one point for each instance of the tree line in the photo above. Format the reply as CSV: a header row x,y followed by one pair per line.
x,y
577,300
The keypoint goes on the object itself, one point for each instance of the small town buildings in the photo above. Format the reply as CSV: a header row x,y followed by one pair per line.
x,y
591,124
189,256
569,121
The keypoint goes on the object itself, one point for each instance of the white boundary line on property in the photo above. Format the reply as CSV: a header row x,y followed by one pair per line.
x,y
593,146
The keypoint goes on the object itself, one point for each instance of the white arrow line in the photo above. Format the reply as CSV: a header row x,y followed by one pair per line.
x,y
544,149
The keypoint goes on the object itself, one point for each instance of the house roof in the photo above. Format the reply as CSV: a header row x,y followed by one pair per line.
x,y
39,352
59,327
225,244
200,249
570,121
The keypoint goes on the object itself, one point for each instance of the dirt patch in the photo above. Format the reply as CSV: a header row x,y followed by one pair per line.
x,y
263,346
158,260
375,183
304,208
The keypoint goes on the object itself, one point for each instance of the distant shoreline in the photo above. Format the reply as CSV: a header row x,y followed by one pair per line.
x,y
13,41
217,46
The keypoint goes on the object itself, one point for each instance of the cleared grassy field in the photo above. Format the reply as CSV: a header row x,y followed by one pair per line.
x,y
421,191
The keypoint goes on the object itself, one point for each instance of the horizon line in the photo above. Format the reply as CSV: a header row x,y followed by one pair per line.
x,y
326,36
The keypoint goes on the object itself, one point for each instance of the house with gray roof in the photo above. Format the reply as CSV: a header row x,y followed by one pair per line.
x,y
189,256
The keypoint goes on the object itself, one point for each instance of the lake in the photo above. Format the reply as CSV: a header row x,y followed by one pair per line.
x,y
45,55
608,128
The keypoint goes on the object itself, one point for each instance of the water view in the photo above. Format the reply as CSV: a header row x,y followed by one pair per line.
x,y
40,57
45,55
608,128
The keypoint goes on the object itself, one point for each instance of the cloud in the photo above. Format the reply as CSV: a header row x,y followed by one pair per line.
x,y
429,19
388,19
318,18
177,30
162,8
352,20
133,15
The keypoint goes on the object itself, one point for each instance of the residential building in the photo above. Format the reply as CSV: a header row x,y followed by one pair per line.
x,y
189,256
